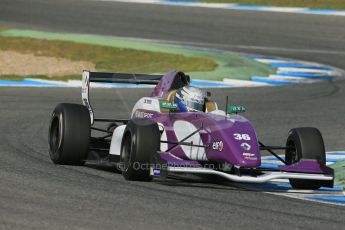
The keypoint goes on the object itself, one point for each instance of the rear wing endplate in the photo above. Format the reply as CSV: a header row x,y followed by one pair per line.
x,y
100,77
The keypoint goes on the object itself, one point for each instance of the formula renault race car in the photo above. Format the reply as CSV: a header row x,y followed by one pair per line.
x,y
168,135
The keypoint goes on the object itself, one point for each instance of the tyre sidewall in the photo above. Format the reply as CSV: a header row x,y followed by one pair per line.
x,y
309,146
145,141
75,128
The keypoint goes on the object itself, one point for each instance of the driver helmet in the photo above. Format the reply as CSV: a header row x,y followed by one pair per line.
x,y
190,99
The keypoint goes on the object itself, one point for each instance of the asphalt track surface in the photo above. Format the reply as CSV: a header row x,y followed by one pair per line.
x,y
35,194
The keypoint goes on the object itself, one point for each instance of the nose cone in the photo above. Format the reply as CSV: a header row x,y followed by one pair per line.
x,y
235,142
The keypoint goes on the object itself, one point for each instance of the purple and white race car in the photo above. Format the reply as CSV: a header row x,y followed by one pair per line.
x,y
178,129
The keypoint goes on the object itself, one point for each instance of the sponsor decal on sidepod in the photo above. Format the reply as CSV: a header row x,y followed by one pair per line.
x,y
218,145
141,114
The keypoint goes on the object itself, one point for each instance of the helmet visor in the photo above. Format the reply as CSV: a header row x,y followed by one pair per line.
x,y
195,105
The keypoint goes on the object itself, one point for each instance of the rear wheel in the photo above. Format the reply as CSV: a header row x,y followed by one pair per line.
x,y
69,134
305,143
140,141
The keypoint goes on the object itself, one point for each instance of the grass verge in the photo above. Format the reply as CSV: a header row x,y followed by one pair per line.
x,y
106,58
227,64
316,4
339,169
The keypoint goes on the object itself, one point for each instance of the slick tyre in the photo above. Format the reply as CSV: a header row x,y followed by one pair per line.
x,y
140,141
69,134
305,143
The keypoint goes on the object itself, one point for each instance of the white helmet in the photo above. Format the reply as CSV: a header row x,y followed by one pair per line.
x,y
189,98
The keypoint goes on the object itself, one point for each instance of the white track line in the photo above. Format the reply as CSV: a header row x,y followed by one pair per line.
x,y
269,61
244,83
293,79
305,70
232,6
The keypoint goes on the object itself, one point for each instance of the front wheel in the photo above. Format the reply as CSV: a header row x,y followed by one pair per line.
x,y
140,141
305,143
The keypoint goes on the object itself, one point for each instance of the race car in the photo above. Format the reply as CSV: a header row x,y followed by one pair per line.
x,y
179,129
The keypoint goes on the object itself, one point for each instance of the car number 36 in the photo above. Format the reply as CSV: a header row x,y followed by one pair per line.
x,y
240,137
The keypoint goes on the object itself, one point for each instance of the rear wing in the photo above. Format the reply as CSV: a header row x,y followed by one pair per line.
x,y
100,77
